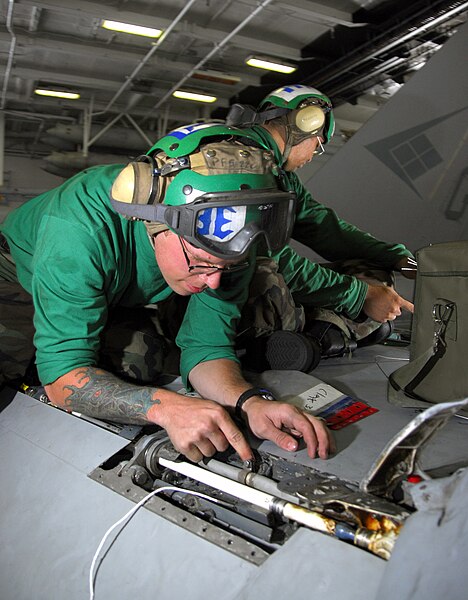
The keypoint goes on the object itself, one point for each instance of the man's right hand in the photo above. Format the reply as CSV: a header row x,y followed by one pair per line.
x,y
382,303
198,427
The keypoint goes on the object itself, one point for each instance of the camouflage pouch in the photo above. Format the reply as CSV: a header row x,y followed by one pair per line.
x,y
270,306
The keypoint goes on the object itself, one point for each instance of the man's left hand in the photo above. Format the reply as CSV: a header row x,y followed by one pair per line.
x,y
283,423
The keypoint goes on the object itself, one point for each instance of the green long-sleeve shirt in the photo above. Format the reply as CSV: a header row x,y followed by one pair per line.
x,y
320,229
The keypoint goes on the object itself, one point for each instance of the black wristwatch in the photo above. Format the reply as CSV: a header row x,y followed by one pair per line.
x,y
262,392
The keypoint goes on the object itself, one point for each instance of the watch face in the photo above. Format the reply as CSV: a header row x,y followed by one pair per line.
x,y
266,394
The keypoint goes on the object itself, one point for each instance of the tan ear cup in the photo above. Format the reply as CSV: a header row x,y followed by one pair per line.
x,y
310,119
133,184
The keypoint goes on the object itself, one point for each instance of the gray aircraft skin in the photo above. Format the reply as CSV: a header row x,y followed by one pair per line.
x,y
397,482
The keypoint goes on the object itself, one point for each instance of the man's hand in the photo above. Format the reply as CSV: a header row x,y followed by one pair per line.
x,y
195,426
278,422
199,428
382,303
283,423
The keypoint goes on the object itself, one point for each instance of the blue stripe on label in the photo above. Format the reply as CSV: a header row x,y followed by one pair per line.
x,y
337,406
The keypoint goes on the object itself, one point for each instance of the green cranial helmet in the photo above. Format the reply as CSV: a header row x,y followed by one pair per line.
x,y
296,97
209,184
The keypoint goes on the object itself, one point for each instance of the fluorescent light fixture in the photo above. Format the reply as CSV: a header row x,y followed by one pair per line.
x,y
194,96
270,65
132,29
57,94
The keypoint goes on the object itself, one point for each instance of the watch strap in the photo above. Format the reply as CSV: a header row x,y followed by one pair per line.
x,y
255,391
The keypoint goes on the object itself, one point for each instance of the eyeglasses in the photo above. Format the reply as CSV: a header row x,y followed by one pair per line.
x,y
320,149
210,269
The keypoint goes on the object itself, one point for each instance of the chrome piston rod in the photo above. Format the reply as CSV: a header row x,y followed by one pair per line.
x,y
288,510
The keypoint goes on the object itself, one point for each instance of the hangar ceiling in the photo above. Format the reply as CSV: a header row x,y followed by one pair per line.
x,y
358,52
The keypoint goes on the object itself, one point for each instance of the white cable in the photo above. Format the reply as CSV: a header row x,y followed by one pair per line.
x,y
390,357
93,570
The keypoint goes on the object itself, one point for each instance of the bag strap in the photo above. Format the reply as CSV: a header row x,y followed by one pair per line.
x,y
442,312
408,389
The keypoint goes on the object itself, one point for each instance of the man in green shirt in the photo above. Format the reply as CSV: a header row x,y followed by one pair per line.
x,y
295,122
186,218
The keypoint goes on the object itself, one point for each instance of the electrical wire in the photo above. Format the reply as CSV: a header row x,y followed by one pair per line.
x,y
93,571
389,359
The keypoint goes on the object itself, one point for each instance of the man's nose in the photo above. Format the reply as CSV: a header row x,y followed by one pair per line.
x,y
212,280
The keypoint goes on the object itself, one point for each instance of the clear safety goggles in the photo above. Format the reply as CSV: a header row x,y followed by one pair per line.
x,y
226,224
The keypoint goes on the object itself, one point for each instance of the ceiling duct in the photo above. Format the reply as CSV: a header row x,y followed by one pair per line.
x,y
129,140
67,164
386,50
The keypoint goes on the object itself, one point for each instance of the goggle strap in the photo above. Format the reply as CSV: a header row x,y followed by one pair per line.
x,y
241,115
142,212
271,113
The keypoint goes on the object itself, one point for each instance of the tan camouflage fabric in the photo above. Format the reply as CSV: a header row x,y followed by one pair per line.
x,y
139,343
270,306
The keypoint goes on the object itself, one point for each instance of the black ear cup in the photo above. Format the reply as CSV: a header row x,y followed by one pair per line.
x,y
309,119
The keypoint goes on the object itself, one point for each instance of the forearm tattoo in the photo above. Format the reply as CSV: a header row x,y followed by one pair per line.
x,y
105,396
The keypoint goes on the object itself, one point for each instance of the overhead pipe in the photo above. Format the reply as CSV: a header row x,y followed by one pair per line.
x,y
2,146
384,68
216,49
89,115
349,65
140,130
144,60
39,116
11,52
124,138
6,79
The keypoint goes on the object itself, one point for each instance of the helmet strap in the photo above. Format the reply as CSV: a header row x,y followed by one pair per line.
x,y
288,142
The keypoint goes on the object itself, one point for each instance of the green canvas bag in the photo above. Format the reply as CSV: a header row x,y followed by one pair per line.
x,y
438,367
